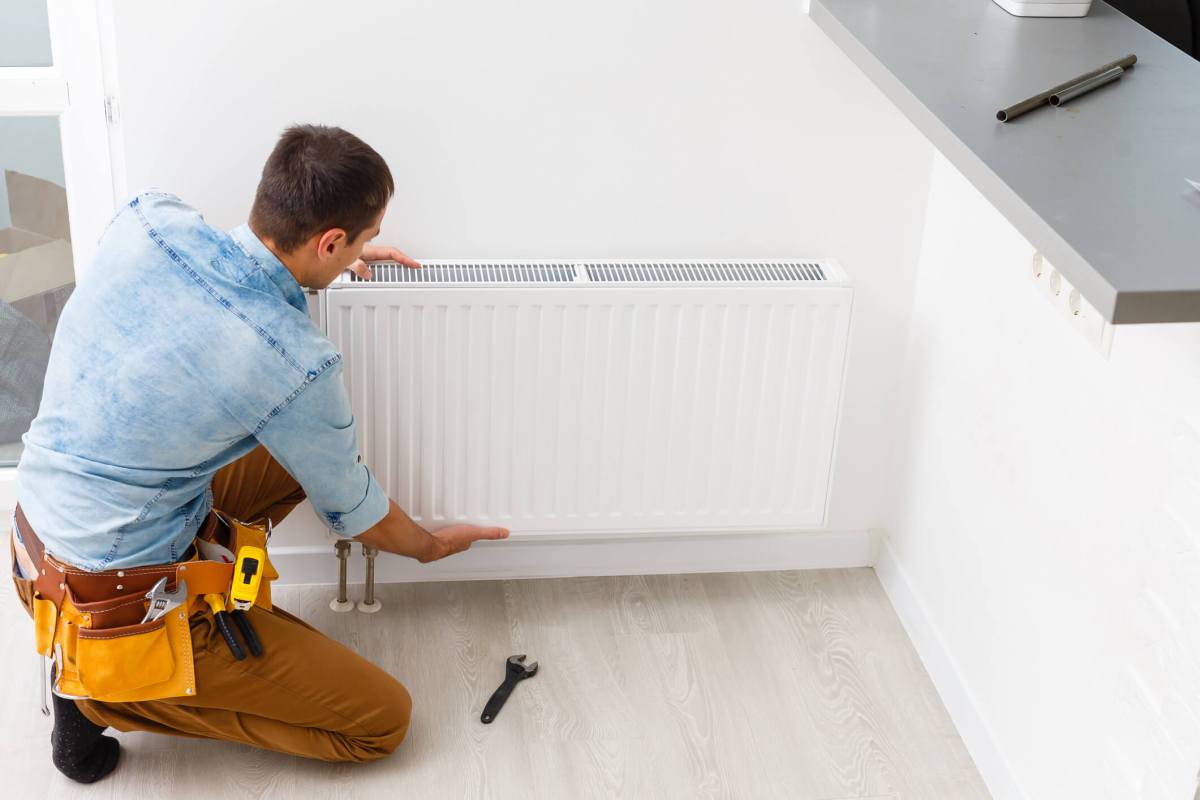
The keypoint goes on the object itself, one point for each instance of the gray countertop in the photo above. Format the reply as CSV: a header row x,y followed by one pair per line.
x,y
1097,185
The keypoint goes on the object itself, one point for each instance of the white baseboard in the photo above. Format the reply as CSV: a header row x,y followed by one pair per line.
x,y
947,677
542,556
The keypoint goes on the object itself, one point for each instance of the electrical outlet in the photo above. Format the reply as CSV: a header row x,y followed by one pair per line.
x,y
1071,305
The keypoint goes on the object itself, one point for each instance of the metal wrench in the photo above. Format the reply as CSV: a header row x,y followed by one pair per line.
x,y
515,671
162,601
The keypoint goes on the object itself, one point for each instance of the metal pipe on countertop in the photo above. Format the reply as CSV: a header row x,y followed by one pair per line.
x,y
1084,87
1025,106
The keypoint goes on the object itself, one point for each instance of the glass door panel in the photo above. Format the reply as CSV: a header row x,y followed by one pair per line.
x,y
37,274
24,33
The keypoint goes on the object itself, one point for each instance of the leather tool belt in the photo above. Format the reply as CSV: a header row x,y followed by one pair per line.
x,y
90,623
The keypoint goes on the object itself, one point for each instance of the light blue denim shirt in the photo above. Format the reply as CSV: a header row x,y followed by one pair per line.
x,y
181,350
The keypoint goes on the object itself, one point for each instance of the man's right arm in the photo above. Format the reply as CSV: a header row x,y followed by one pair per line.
x,y
397,533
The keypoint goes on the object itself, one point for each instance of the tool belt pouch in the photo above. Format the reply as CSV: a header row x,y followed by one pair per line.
x,y
102,652
122,664
241,535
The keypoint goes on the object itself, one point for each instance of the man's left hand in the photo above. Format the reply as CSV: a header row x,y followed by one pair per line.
x,y
379,253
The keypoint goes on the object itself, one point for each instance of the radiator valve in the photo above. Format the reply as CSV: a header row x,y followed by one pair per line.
x,y
341,603
369,605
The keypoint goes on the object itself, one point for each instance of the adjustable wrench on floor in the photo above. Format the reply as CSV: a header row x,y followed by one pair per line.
x,y
515,671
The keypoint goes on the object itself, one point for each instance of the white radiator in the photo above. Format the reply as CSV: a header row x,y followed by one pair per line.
x,y
598,396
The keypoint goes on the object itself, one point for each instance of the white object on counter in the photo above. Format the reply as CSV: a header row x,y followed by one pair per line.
x,y
1046,8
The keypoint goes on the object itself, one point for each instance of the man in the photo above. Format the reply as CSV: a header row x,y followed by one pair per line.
x,y
186,375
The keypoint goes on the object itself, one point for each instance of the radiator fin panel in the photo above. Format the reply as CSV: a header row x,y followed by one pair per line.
x,y
614,409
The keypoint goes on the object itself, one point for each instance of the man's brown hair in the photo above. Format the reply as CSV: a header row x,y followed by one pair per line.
x,y
318,178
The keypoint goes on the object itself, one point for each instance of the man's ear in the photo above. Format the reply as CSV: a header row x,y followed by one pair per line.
x,y
330,241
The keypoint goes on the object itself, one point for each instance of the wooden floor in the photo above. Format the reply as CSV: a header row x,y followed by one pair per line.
x,y
793,685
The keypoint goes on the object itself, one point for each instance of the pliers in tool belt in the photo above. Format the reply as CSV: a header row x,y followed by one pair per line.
x,y
216,602
247,577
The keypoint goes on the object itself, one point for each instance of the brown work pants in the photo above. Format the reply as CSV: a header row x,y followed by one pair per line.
x,y
306,695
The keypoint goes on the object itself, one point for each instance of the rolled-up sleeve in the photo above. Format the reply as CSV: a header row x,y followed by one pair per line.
x,y
313,437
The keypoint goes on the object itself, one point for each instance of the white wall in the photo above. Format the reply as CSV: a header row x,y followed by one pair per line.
x,y
697,128
1048,521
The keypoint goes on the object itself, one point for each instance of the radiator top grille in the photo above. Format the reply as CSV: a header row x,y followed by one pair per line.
x,y
584,273
470,272
705,272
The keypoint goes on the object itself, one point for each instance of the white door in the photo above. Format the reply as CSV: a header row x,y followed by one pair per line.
x,y
56,192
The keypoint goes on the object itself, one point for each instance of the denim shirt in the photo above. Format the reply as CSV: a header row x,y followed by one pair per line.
x,y
182,349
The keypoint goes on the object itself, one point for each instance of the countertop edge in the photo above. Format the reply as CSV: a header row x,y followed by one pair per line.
x,y
1116,307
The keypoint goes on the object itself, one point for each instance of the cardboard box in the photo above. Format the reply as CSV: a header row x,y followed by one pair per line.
x,y
37,273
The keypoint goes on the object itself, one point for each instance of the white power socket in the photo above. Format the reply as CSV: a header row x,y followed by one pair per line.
x,y
1067,300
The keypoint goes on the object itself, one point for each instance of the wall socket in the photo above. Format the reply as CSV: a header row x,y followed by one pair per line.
x,y
1070,304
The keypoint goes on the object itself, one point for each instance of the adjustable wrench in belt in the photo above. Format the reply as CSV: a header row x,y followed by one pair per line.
x,y
162,601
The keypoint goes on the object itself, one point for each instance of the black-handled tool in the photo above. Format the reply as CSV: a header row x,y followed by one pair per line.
x,y
248,632
216,602
515,671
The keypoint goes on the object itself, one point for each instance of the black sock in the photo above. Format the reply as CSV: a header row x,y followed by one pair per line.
x,y
78,749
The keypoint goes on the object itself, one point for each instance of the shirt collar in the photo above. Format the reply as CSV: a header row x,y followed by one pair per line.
x,y
274,269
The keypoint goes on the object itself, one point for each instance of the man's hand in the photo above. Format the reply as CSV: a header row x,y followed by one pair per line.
x,y
379,253
456,538
397,533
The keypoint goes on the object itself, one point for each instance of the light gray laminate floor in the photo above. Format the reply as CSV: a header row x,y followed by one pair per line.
x,y
793,685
